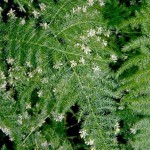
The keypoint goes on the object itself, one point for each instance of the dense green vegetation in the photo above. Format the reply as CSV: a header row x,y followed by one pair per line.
x,y
74,74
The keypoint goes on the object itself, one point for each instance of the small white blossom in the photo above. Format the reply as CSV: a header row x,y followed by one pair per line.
x,y
28,64
44,25
10,61
113,57
54,90
117,128
105,43
20,119
82,60
6,1
83,133
28,106
102,3
91,32
26,115
133,130
90,2
78,9
98,39
90,142
96,69
44,80
11,13
39,70
2,76
42,6
23,22
93,148
84,8
87,50
30,74
117,131
35,14
99,30
3,85
82,38
73,63
57,65
121,107
58,117
40,93
107,33
44,144
73,10
1,9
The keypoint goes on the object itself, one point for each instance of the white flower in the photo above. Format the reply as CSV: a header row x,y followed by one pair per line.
x,y
107,33
6,1
20,119
90,2
39,70
90,142
1,9
28,64
78,9
84,8
102,3
44,144
73,10
58,117
40,93
87,50
121,107
82,60
105,43
57,65
30,74
2,76
99,30
117,128
44,25
133,130
91,32
44,80
73,63
26,115
11,13
54,90
83,133
42,6
10,61
28,106
96,69
113,57
23,22
117,131
82,38
98,39
35,14
3,86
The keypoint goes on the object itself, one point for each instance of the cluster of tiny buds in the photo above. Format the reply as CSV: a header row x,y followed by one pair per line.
x,y
113,57
58,117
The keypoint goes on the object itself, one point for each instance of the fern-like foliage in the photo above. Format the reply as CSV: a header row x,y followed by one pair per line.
x,y
51,60
134,76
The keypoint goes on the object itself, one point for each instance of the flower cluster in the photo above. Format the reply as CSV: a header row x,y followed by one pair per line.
x,y
58,117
